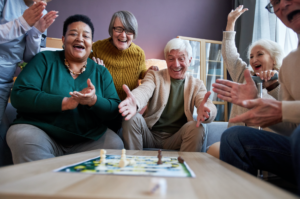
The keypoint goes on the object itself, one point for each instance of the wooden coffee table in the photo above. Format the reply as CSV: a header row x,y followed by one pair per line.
x,y
214,179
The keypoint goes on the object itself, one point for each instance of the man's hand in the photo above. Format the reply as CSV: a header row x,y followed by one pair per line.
x,y
43,23
202,110
128,107
87,96
34,13
234,92
264,112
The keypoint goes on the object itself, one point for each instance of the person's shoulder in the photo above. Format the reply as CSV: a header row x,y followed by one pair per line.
x,y
136,48
48,55
96,67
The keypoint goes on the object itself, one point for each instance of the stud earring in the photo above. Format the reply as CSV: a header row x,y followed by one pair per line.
x,y
63,46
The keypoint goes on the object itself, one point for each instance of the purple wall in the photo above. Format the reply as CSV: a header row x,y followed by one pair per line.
x,y
159,20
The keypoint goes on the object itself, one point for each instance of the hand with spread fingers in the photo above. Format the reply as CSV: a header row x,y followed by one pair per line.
x,y
263,112
267,75
43,23
128,107
233,16
98,61
34,13
87,96
234,92
203,111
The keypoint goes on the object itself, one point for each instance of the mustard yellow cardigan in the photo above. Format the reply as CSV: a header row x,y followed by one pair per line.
x,y
125,66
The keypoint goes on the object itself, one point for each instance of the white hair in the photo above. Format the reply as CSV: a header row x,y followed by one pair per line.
x,y
178,44
273,48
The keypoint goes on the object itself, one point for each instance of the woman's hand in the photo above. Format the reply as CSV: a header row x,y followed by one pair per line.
x,y
69,103
87,96
233,16
267,75
43,23
155,68
98,61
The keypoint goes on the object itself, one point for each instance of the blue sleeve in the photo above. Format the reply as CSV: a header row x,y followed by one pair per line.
x,y
33,41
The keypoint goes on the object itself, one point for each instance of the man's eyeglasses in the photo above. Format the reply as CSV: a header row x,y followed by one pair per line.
x,y
120,30
273,6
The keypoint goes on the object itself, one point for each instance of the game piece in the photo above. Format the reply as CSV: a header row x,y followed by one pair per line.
x,y
159,156
102,156
180,160
123,155
132,162
158,186
123,163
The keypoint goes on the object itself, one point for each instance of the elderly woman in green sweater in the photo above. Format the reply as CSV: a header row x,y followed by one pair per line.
x,y
64,100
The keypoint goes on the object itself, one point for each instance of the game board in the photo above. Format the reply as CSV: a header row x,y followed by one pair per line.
x,y
145,165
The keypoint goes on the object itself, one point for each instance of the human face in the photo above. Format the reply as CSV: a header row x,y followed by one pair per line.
x,y
78,41
121,40
261,60
178,63
288,11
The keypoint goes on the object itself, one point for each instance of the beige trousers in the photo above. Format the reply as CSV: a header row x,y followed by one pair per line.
x,y
137,136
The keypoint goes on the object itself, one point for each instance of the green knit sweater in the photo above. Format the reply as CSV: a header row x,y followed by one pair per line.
x,y
40,88
125,66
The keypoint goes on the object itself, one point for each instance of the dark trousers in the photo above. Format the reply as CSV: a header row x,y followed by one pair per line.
x,y
250,149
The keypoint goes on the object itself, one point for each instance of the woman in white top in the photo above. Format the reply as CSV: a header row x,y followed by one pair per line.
x,y
265,58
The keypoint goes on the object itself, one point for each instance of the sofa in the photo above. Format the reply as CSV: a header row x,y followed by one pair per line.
x,y
213,132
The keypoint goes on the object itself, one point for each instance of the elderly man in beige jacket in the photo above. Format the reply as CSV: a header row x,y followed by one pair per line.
x,y
171,96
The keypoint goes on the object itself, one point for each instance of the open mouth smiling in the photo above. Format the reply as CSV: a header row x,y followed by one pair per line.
x,y
292,14
79,47
177,69
257,67
124,41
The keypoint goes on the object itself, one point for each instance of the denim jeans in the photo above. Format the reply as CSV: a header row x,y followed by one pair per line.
x,y
250,149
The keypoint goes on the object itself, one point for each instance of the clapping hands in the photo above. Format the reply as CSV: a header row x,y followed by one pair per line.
x,y
43,23
87,96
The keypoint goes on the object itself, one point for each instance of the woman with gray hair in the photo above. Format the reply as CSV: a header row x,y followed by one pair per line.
x,y
265,58
124,59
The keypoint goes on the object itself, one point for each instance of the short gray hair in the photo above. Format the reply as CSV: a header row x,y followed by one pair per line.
x,y
128,20
178,44
273,48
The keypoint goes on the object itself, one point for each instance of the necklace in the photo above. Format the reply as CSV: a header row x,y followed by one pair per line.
x,y
72,72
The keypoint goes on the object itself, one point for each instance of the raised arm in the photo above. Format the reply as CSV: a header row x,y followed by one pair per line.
x,y
234,63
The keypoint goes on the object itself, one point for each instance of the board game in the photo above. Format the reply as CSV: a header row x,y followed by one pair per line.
x,y
144,165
